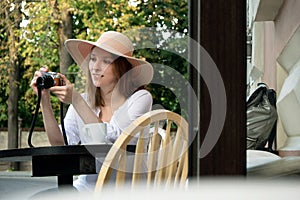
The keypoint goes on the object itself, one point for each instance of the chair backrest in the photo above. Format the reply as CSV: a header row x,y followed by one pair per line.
x,y
161,154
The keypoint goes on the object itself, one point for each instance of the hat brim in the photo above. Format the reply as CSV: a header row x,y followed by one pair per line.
x,y
80,50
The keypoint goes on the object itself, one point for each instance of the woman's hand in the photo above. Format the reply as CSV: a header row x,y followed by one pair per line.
x,y
33,81
63,93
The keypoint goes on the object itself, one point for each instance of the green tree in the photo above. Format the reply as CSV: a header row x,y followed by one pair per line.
x,y
4,61
46,24
127,15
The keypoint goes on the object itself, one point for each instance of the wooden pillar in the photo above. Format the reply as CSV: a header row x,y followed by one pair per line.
x,y
223,36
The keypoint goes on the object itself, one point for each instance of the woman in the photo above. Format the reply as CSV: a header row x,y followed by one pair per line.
x,y
115,91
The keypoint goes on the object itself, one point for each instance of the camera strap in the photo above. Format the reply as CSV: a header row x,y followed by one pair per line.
x,y
35,117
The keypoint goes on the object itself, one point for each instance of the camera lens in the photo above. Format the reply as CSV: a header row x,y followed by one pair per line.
x,y
45,81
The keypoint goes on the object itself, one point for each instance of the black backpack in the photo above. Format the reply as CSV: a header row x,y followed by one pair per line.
x,y
261,119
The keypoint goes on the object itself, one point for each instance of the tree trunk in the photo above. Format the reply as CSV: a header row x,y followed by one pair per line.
x,y
14,18
64,32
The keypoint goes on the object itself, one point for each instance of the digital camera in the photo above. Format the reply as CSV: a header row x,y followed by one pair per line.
x,y
48,80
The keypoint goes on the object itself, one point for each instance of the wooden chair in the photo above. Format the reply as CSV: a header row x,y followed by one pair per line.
x,y
162,144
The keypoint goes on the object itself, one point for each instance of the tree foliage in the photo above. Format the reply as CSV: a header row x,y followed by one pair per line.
x,y
39,41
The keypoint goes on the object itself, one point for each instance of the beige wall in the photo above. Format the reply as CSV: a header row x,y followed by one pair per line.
x,y
271,41
269,76
39,139
263,53
281,135
286,24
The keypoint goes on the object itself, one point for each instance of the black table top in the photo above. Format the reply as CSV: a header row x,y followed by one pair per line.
x,y
26,154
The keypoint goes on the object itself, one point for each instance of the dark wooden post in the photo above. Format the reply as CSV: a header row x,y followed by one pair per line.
x,y
223,37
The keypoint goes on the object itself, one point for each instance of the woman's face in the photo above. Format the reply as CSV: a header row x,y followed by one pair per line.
x,y
101,68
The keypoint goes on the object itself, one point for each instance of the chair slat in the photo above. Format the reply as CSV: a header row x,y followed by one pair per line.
x,y
167,156
138,160
175,156
153,154
164,155
121,172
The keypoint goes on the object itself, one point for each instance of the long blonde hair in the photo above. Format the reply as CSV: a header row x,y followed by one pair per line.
x,y
126,86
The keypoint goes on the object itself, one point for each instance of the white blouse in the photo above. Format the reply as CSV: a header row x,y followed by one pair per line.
x,y
135,106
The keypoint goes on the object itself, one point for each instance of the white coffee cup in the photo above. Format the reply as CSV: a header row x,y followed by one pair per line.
x,y
94,133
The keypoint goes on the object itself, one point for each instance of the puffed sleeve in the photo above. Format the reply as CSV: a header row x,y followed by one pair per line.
x,y
135,106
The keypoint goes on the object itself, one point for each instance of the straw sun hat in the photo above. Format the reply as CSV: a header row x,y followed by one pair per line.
x,y
115,43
